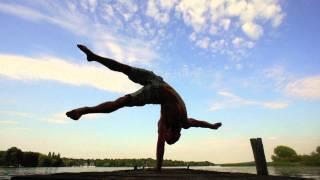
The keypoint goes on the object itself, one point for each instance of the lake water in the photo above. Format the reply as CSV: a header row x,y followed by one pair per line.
x,y
308,172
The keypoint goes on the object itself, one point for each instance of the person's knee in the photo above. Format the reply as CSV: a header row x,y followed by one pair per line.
x,y
123,101
130,101
190,122
186,125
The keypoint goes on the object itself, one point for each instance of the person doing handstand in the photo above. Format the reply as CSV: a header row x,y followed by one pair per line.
x,y
154,91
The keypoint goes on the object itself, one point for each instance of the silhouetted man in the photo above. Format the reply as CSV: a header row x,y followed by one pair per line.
x,y
154,91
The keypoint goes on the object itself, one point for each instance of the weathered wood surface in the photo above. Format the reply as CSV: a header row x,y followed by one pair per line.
x,y
259,156
147,174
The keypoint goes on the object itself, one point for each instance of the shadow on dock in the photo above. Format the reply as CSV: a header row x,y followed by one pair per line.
x,y
151,174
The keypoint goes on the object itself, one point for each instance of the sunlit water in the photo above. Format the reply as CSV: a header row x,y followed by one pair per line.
x,y
307,172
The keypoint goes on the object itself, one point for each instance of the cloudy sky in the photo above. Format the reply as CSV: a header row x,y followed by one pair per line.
x,y
251,64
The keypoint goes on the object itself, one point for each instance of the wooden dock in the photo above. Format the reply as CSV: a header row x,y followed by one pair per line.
x,y
147,174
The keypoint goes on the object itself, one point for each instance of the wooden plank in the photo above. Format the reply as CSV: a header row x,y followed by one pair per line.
x,y
259,156
147,174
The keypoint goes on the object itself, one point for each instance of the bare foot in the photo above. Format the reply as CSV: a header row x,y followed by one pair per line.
x,y
88,52
76,113
216,125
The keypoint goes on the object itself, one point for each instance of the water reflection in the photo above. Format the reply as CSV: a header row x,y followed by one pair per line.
x,y
307,172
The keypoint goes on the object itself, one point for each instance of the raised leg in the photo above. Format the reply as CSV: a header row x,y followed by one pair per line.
x,y
203,124
137,75
109,63
106,107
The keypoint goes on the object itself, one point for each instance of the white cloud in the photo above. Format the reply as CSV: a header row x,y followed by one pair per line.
x,y
126,8
191,72
193,13
16,113
277,76
138,27
239,42
217,17
108,14
277,20
213,30
21,11
225,24
102,36
232,101
123,25
275,105
89,5
236,8
154,11
132,51
254,31
218,44
193,36
51,68
167,4
8,122
66,18
61,118
239,66
226,94
203,43
307,88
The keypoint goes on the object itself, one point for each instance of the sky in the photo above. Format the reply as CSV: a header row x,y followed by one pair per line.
x,y
251,64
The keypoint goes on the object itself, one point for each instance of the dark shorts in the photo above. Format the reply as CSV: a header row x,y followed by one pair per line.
x,y
150,92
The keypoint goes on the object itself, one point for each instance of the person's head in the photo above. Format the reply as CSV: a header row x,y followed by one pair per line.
x,y
172,135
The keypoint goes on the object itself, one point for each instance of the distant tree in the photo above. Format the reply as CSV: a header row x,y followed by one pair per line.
x,y
2,161
57,162
30,159
44,161
13,157
313,159
284,153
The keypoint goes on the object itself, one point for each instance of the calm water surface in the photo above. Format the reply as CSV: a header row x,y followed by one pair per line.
x,y
308,172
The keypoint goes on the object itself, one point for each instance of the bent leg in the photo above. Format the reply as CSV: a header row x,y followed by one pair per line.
x,y
146,95
106,107
203,124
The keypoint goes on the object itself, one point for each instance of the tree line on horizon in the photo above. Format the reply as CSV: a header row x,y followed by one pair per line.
x,y
284,155
14,157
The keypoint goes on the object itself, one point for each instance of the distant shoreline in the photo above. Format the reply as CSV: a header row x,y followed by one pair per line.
x,y
293,164
15,157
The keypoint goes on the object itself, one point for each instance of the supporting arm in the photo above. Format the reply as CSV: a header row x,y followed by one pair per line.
x,y
160,145
160,152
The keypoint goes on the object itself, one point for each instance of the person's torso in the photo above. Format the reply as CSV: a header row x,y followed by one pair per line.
x,y
173,109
